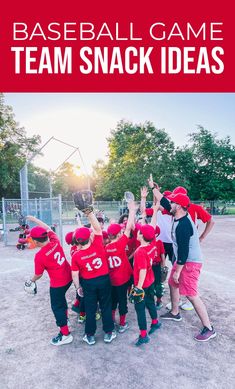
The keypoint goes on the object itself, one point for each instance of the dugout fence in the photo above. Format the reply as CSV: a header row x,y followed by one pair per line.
x,y
63,215
13,212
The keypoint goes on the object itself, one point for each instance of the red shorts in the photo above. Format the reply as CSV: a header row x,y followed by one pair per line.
x,y
188,280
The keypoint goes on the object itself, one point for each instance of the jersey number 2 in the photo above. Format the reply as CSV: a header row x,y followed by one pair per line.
x,y
59,259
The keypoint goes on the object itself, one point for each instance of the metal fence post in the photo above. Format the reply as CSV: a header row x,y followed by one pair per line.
x,y
40,208
4,222
60,220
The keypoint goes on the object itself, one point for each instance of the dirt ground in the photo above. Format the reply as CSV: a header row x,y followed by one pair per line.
x,y
171,360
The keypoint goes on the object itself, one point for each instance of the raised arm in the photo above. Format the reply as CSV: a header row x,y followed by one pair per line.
x,y
38,221
154,217
131,218
94,223
144,193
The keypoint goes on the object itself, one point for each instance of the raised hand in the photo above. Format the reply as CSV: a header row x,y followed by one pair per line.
x,y
144,191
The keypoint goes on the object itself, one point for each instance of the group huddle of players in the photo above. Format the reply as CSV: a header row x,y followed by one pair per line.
x,y
108,267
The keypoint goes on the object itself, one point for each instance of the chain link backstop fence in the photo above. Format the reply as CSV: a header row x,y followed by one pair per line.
x,y
63,215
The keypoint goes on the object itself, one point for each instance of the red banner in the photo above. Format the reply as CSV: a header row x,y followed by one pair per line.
x,y
151,46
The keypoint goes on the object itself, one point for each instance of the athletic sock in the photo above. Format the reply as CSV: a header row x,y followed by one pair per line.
x,y
122,320
154,321
64,330
113,314
143,333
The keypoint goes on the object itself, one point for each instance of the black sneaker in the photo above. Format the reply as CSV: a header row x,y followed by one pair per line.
x,y
142,340
61,339
170,316
154,327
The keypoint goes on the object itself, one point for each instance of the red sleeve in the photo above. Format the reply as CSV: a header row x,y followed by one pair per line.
x,y
202,214
98,240
141,260
122,242
161,247
165,212
53,237
38,265
74,263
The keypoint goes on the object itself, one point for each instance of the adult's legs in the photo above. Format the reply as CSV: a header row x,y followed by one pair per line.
x,y
201,310
175,298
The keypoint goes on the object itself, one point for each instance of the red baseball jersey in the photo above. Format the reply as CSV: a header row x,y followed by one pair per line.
x,y
198,212
131,246
143,259
52,259
73,249
159,250
120,269
91,262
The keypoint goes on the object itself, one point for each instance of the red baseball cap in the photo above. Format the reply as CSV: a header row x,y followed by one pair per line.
x,y
38,232
167,193
105,234
147,231
157,230
180,199
82,233
69,237
180,189
149,211
114,229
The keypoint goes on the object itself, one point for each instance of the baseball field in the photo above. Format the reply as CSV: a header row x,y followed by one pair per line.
x,y
173,359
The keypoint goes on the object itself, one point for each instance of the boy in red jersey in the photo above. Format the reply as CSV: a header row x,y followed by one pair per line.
x,y
69,240
90,263
120,270
144,279
51,258
158,262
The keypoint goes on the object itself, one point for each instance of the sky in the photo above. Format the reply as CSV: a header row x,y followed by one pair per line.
x,y
84,120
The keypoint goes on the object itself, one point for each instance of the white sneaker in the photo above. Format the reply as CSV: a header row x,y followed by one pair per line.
x,y
168,306
122,329
61,339
187,306
89,339
109,336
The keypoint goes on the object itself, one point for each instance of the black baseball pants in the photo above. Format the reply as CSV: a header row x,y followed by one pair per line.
x,y
169,251
148,303
119,298
59,304
98,290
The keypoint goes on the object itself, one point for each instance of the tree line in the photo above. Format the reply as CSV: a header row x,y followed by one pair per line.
x,y
205,165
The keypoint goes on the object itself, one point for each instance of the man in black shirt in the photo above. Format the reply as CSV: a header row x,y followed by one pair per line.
x,y
185,272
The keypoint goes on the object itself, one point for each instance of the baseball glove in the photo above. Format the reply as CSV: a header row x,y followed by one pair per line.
x,y
83,201
164,272
30,287
136,295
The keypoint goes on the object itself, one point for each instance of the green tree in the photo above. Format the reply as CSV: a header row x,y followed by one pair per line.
x,y
15,148
38,182
135,151
66,181
207,166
